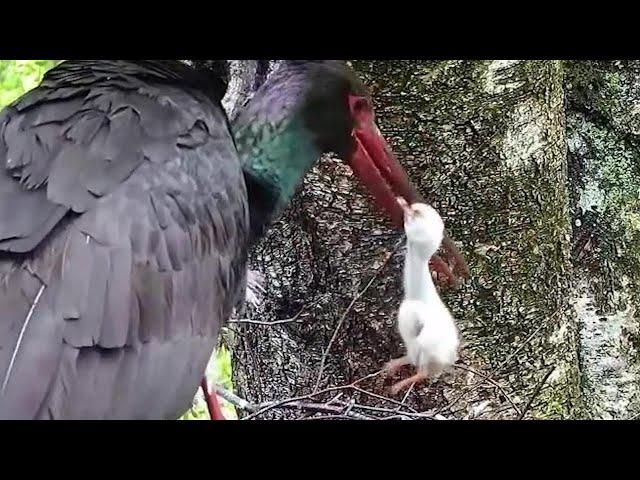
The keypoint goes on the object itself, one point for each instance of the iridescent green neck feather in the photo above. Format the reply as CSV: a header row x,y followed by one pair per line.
x,y
277,156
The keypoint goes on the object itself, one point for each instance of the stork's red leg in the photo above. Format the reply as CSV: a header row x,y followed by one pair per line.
x,y
215,412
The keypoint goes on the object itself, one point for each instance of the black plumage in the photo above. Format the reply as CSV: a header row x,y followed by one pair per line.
x,y
123,225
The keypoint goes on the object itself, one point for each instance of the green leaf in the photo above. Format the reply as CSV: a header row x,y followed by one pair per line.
x,y
20,76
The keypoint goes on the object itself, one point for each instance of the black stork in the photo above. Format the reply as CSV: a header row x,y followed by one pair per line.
x,y
126,212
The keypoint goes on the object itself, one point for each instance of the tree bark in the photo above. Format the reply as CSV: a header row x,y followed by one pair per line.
x,y
485,142
603,130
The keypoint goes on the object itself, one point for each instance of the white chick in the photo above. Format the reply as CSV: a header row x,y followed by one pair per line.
x,y
424,322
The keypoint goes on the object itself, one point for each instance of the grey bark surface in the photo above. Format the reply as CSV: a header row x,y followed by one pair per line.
x,y
603,130
485,142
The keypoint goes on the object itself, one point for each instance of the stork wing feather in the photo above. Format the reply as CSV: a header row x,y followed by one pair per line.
x,y
123,223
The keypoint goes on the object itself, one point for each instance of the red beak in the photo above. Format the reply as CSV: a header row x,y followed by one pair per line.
x,y
379,170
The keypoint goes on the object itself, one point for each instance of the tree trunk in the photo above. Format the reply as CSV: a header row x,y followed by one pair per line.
x,y
603,131
485,142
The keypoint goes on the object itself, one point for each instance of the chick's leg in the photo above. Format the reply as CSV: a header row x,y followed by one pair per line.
x,y
420,376
392,366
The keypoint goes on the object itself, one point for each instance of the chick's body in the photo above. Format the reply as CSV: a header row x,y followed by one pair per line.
x,y
425,324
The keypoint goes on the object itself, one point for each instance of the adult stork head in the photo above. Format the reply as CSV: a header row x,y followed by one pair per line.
x,y
307,108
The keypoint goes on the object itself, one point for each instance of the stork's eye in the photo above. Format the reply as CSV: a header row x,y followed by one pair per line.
x,y
360,108
359,105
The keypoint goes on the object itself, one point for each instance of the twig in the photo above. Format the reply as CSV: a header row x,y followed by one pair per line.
x,y
275,322
279,403
380,397
348,310
259,322
406,395
324,408
235,400
349,406
347,409
366,377
492,382
331,417
335,399
352,386
395,417
394,412
343,409
243,404
536,392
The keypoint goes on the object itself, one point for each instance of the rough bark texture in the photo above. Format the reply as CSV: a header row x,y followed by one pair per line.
x,y
603,131
485,142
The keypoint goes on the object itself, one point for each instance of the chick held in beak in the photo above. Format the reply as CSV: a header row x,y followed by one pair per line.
x,y
378,169
441,267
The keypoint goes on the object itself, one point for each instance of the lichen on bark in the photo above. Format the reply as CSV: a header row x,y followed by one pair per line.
x,y
603,111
